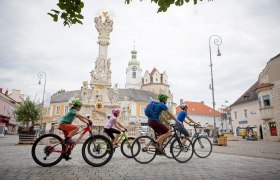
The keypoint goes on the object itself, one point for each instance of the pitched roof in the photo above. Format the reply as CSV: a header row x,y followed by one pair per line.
x,y
153,71
136,95
132,94
275,57
198,108
65,96
248,96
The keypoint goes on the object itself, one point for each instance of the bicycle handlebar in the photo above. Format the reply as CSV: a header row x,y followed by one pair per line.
x,y
89,123
195,125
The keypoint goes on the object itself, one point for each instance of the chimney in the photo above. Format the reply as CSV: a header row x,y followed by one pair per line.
x,y
181,101
202,102
1,90
7,92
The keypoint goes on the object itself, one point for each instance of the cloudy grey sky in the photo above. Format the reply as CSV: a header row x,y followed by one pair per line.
x,y
175,42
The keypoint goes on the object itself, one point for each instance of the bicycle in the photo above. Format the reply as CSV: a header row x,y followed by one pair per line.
x,y
201,144
125,144
49,149
144,149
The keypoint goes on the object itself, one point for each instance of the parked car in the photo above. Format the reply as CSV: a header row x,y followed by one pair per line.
x,y
146,131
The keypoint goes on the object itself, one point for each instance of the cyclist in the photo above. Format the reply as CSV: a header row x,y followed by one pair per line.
x,y
156,125
66,125
108,128
181,117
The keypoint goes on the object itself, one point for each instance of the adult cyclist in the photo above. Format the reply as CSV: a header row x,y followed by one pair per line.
x,y
156,125
182,118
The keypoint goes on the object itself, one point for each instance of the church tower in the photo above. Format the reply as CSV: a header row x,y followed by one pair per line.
x,y
133,72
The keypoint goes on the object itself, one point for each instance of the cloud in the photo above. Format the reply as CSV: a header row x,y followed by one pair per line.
x,y
175,42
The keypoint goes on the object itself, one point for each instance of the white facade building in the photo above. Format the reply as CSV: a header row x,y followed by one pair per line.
x,y
133,73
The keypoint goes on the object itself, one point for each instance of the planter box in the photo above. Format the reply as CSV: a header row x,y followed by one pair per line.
x,y
27,138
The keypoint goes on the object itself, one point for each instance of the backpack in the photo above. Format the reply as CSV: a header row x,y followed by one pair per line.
x,y
149,111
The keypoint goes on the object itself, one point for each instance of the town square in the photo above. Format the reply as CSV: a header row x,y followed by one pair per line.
x,y
161,89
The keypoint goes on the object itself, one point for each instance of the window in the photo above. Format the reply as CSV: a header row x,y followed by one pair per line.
x,y
142,111
260,101
273,129
235,115
66,109
134,75
156,79
57,112
246,113
266,100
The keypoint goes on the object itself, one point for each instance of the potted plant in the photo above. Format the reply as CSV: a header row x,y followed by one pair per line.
x,y
28,113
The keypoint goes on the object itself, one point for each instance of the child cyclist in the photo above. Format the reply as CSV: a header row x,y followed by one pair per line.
x,y
181,117
108,128
65,123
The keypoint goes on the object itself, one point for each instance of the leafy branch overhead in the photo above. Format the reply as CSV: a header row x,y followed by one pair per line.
x,y
70,10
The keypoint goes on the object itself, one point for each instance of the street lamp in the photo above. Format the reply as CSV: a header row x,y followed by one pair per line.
x,y
42,75
217,41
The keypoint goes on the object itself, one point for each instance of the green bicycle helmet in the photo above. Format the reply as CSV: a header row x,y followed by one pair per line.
x,y
162,97
77,102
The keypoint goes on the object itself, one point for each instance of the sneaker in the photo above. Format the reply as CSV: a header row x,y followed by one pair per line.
x,y
156,145
66,157
115,145
69,141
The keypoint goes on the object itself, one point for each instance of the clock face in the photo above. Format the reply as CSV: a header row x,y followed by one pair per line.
x,y
134,68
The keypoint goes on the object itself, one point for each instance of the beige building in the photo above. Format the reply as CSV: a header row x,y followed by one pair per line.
x,y
268,92
245,115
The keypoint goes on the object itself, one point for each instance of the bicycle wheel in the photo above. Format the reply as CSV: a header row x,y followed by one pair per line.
x,y
97,150
181,152
202,147
47,150
143,150
126,147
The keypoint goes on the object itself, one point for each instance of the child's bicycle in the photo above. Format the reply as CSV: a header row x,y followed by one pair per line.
x,y
49,149
125,145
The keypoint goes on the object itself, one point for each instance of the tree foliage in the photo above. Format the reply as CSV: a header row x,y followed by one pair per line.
x,y
70,10
28,112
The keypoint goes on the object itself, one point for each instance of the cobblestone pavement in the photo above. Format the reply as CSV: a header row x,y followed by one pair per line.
x,y
262,149
17,163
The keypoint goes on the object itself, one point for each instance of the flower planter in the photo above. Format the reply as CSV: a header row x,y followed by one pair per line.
x,y
222,141
27,137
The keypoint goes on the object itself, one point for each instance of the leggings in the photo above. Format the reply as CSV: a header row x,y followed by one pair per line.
x,y
111,132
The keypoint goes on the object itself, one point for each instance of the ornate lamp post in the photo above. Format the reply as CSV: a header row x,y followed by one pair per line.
x,y
217,41
42,75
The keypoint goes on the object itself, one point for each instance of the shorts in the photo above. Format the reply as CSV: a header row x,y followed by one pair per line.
x,y
67,128
111,132
183,130
158,127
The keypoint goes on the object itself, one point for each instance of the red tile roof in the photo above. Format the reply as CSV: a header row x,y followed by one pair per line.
x,y
198,108
153,71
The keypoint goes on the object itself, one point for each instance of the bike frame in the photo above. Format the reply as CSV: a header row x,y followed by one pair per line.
x,y
68,147
172,137
123,135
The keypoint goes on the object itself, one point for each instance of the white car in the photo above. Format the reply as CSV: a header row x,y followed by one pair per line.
x,y
146,131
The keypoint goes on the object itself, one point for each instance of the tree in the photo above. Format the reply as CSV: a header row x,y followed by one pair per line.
x,y
70,10
28,112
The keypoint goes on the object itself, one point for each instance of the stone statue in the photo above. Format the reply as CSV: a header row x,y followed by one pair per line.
x,y
85,90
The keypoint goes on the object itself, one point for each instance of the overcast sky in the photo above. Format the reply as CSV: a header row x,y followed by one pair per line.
x,y
175,42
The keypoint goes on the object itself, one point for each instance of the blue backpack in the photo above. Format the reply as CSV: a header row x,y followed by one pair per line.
x,y
149,111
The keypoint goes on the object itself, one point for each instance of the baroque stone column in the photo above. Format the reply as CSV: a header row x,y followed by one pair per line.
x,y
101,75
